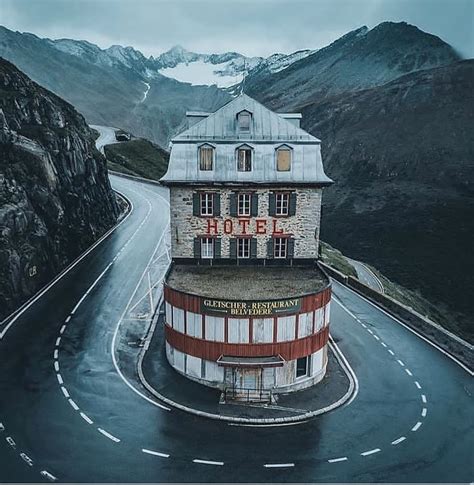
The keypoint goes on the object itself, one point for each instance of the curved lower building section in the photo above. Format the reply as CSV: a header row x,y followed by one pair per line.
x,y
276,342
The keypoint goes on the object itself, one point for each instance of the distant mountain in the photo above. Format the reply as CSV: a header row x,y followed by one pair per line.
x,y
360,59
402,157
55,195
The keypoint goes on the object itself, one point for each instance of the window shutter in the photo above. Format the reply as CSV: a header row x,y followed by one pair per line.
x,y
197,247
254,205
233,204
270,248
253,248
217,204
291,248
292,209
196,204
233,248
217,248
271,203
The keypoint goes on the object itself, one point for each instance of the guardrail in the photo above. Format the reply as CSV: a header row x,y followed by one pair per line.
x,y
247,394
134,177
435,333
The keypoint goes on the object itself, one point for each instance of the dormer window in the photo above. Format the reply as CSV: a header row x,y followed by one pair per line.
x,y
244,159
206,157
243,121
283,158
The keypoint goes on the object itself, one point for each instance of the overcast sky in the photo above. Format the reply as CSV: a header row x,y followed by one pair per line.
x,y
252,27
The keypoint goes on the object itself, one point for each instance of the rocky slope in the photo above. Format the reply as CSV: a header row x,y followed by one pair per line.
x,y
358,60
55,196
402,156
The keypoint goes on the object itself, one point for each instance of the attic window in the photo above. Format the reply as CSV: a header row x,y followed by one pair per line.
x,y
243,119
206,157
244,159
283,159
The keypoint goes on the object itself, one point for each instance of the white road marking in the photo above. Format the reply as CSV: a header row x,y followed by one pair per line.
x,y
56,353
207,462
155,453
399,440
375,337
86,418
279,465
417,426
61,330
371,452
66,394
73,404
335,460
363,324
60,379
58,341
48,475
108,435
417,384
423,398
2,427
26,458
423,412
67,319
56,366
408,371
10,441
383,344
370,331
401,362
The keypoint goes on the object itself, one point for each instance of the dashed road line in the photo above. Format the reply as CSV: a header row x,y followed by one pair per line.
x,y
408,371
2,427
56,366
279,465
336,460
399,440
26,459
423,399
208,462
370,331
56,353
10,441
67,319
417,426
391,352
61,330
155,453
424,412
48,475
108,435
417,384
73,404
60,379
66,394
86,418
383,344
401,362
58,341
376,337
371,452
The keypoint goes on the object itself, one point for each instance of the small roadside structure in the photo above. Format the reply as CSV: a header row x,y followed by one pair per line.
x,y
121,135
247,305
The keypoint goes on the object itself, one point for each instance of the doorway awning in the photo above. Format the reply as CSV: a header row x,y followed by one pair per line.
x,y
231,361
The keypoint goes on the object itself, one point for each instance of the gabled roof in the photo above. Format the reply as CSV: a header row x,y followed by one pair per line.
x,y
266,125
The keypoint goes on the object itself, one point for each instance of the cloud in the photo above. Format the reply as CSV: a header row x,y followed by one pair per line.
x,y
252,27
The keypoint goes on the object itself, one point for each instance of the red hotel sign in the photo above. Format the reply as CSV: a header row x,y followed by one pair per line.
x,y
243,226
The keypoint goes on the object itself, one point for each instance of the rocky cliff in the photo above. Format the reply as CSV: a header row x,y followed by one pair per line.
x,y
55,196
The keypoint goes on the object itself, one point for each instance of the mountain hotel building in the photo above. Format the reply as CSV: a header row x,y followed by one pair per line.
x,y
247,306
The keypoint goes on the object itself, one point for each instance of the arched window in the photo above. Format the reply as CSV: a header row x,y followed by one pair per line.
x,y
244,119
244,158
284,155
206,157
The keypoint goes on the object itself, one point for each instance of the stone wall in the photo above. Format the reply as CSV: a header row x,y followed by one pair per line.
x,y
304,225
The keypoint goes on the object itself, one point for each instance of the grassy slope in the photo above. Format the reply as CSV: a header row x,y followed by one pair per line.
x,y
137,157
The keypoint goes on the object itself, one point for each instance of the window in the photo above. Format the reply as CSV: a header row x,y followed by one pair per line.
x,y
283,157
243,247
244,159
206,157
280,247
206,204
302,367
207,248
244,121
282,204
243,204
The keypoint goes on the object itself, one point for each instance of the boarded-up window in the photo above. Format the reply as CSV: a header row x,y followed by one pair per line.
x,y
319,319
193,324
206,157
178,319
305,325
283,156
214,328
244,122
262,330
286,328
238,330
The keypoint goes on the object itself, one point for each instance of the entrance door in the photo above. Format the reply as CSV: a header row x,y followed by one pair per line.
x,y
248,382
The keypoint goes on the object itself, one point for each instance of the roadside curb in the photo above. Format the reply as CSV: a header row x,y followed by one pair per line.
x,y
349,395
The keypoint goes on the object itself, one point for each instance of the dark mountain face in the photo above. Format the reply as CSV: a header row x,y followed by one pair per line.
x,y
55,196
402,156
360,59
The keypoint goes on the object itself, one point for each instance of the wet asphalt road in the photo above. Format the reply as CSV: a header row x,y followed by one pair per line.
x,y
407,389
